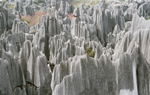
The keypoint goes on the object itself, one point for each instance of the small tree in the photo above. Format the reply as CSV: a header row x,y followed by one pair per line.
x,y
90,52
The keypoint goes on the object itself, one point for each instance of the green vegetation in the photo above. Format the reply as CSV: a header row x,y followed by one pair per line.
x,y
35,2
34,29
88,49
11,6
148,18
39,2
4,1
90,52
87,2
27,20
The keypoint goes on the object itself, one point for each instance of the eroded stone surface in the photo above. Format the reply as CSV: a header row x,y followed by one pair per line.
x,y
51,58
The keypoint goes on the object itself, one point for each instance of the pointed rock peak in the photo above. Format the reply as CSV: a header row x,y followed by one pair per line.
x,y
116,29
139,23
76,12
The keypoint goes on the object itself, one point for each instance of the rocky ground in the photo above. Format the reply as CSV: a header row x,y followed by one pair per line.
x,y
55,48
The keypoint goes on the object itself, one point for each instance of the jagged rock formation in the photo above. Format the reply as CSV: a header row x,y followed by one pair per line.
x,y
51,58
29,10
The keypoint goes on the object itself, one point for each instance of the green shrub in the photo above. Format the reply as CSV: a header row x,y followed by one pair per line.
x,y
28,21
148,17
89,49
39,2
35,2
34,30
90,52
89,2
11,6
4,1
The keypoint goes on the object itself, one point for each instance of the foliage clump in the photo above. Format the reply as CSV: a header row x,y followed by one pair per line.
x,y
11,6
39,2
86,2
4,1
26,19
148,17
90,52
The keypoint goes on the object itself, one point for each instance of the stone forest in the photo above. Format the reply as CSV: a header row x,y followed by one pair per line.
x,y
74,47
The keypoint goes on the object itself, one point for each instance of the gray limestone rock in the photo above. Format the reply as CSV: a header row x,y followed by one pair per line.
x,y
137,34
103,22
139,23
3,20
90,50
76,12
88,77
19,6
5,88
84,75
118,17
143,9
20,26
60,45
13,72
11,18
36,71
28,10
